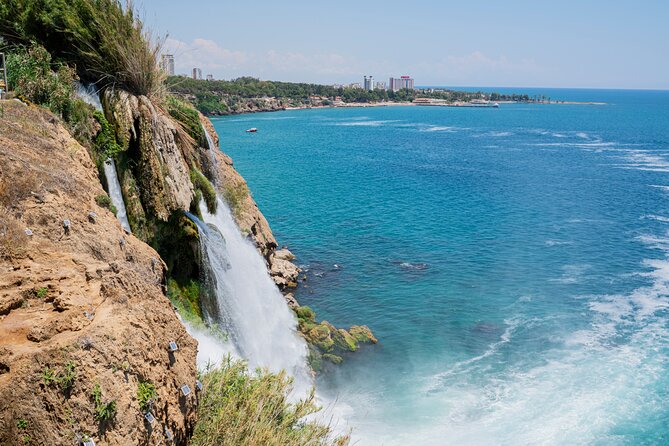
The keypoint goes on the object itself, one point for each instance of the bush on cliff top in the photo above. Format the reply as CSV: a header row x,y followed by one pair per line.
x,y
244,409
106,41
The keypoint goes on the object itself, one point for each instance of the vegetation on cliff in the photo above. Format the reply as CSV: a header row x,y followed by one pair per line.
x,y
104,40
232,396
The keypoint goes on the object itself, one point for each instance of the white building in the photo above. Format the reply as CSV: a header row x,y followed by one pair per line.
x,y
403,82
197,73
368,83
167,64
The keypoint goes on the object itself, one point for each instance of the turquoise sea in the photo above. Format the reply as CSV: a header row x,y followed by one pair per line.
x,y
513,262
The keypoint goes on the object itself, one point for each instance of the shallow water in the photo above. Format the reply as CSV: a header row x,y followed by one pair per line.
x,y
512,262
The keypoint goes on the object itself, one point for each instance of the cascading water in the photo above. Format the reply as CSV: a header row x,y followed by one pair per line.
x,y
211,156
210,141
114,188
88,94
248,306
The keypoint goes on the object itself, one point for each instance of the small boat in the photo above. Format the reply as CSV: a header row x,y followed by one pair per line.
x,y
252,130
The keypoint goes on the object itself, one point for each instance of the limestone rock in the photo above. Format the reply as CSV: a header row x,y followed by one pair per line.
x,y
131,320
151,139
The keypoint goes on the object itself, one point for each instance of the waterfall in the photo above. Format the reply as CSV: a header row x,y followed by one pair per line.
x,y
91,96
210,141
211,164
114,188
248,306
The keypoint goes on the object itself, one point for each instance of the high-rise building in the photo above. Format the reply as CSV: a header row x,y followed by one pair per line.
x,y
380,85
197,73
403,82
167,64
210,77
368,83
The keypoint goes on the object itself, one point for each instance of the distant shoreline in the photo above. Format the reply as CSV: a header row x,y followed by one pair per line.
x,y
404,104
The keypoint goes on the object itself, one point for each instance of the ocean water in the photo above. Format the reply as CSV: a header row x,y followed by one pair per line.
x,y
513,263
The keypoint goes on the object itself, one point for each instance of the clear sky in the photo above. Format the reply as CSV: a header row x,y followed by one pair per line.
x,y
540,43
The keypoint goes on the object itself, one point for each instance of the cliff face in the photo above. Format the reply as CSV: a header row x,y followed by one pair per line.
x,y
82,303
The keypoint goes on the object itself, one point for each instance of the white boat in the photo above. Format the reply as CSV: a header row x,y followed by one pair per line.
x,y
252,130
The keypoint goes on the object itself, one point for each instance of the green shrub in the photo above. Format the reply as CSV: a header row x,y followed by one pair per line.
x,y
187,116
235,195
104,201
244,409
42,292
103,39
204,186
67,378
105,141
146,392
31,73
103,411
48,376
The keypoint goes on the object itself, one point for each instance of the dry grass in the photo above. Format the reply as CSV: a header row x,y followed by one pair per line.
x,y
17,186
13,239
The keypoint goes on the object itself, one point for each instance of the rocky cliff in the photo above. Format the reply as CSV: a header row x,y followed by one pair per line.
x,y
83,313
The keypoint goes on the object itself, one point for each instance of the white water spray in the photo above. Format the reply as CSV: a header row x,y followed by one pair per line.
x,y
89,95
114,188
248,306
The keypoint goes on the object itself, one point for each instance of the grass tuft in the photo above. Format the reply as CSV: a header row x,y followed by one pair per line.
x,y
244,409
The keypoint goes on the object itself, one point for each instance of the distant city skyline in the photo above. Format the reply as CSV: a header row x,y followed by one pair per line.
x,y
570,44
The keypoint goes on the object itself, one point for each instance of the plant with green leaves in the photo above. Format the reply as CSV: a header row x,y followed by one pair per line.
x,y
146,393
22,424
48,376
242,408
67,377
104,39
105,141
103,411
33,75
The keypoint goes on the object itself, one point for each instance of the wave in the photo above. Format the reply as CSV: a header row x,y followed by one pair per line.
x,y
378,123
438,128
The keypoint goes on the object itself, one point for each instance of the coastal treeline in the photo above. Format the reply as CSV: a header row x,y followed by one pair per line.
x,y
220,97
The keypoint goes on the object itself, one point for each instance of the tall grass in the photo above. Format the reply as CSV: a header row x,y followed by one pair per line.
x,y
104,39
243,409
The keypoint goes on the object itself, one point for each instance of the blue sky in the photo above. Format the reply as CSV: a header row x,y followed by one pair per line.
x,y
600,44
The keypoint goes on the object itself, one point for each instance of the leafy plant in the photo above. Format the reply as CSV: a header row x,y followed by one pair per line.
x,y
105,141
146,393
22,424
42,292
242,408
103,411
48,376
67,378
31,73
187,116
104,201
106,41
